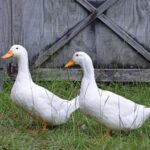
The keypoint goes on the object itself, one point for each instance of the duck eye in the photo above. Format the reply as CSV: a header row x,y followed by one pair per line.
x,y
77,55
16,47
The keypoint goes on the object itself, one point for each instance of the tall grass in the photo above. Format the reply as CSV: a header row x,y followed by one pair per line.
x,y
79,132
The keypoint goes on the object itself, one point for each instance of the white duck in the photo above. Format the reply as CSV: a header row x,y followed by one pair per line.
x,y
34,99
107,108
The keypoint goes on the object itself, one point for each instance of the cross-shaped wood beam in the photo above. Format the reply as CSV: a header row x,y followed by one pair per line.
x,y
44,55
116,29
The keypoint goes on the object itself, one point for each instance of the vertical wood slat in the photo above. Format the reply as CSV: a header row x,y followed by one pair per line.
x,y
5,29
1,78
17,16
5,35
28,24
17,29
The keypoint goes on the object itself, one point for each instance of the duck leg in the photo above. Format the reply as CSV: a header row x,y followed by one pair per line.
x,y
44,128
108,134
35,130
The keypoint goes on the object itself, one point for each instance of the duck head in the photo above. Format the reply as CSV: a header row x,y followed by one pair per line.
x,y
79,58
15,51
84,60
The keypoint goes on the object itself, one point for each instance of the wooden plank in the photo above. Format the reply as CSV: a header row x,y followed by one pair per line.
x,y
17,21
5,36
116,29
132,16
17,27
28,25
104,75
5,28
44,74
39,23
43,56
86,5
1,79
103,7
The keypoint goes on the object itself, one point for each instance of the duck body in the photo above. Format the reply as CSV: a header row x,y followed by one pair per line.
x,y
36,100
107,108
112,110
41,103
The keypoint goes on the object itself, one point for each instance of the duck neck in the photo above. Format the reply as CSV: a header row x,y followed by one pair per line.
x,y
88,76
88,71
23,67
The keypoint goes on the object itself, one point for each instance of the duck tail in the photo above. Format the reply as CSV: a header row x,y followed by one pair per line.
x,y
73,105
147,113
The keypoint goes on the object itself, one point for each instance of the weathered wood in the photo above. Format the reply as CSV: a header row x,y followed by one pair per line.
x,y
104,75
103,7
1,78
27,25
38,23
43,56
86,5
115,28
132,16
5,29
17,17
44,74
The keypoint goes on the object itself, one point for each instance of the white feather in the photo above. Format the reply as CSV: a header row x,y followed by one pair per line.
x,y
36,100
108,108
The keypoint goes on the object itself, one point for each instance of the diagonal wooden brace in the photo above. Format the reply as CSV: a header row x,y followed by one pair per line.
x,y
116,29
44,55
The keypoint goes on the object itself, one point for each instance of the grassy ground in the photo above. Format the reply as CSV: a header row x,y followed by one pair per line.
x,y
79,132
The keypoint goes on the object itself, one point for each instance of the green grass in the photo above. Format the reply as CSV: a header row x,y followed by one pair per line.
x,y
14,122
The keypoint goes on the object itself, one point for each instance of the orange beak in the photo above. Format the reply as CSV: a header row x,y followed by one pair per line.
x,y
70,63
7,55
